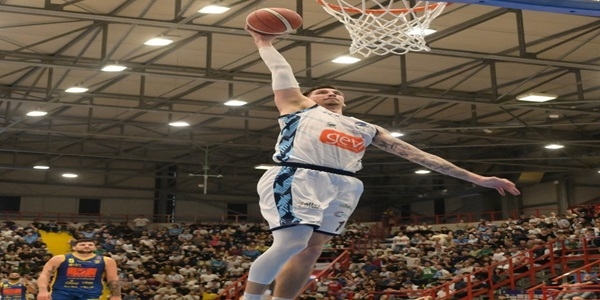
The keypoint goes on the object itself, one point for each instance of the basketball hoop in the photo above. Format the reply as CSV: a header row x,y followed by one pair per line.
x,y
385,30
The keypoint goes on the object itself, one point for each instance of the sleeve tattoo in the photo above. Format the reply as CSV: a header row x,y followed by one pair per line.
x,y
115,287
425,159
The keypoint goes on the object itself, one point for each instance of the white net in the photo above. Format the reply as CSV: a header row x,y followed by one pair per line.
x,y
380,28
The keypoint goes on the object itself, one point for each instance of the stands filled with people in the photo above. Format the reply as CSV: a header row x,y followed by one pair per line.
x,y
197,261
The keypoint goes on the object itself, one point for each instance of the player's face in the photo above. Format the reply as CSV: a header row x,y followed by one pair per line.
x,y
14,276
331,99
84,247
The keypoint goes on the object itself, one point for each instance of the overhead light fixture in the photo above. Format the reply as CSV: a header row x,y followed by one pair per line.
x,y
536,97
263,166
554,146
422,172
235,103
36,113
487,130
158,42
114,68
213,9
70,175
179,124
76,89
396,134
41,167
554,116
345,59
421,31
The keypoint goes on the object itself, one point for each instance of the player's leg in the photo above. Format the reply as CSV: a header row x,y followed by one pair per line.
x,y
297,270
287,242
295,273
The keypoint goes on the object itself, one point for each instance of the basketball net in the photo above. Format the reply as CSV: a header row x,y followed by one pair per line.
x,y
385,30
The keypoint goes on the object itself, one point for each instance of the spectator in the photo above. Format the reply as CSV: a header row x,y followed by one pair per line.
x,y
251,252
175,279
578,289
141,223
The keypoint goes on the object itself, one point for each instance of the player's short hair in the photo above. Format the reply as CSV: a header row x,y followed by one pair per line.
x,y
318,87
83,240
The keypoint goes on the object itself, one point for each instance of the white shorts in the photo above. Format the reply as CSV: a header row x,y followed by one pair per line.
x,y
291,196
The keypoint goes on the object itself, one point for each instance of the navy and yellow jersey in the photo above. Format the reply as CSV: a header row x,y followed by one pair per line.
x,y
13,291
79,275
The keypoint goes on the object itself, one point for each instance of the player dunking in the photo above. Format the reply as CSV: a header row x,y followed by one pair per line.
x,y
308,198
79,275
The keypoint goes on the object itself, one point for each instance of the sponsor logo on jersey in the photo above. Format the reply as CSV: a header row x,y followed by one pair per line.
x,y
344,205
81,272
309,205
342,140
329,124
12,291
340,214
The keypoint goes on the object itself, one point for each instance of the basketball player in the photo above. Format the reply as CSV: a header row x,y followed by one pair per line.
x,y
79,275
16,288
308,198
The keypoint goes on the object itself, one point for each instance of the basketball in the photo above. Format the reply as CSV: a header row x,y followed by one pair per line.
x,y
274,20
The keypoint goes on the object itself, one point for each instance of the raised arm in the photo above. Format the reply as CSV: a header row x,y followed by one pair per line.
x,y
288,97
47,272
386,142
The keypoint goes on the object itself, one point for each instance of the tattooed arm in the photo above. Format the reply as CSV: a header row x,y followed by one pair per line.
x,y
47,272
112,278
386,142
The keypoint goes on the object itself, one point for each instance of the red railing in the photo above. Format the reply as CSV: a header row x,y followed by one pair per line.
x,y
549,291
487,280
341,262
234,290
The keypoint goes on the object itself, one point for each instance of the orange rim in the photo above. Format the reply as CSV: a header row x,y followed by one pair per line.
x,y
396,11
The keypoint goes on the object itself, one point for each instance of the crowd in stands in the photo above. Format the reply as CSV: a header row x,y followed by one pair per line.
x,y
197,261
418,257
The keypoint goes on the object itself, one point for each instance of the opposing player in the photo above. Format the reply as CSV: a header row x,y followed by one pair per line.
x,y
79,275
309,197
16,288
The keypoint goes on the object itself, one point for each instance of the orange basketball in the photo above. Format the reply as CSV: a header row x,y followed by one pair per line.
x,y
274,20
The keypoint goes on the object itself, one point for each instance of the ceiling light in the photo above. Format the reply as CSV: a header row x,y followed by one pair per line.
x,y
487,130
213,9
235,103
179,124
421,31
113,68
158,42
37,113
554,146
554,116
346,60
396,134
422,172
536,97
41,167
69,175
263,166
76,89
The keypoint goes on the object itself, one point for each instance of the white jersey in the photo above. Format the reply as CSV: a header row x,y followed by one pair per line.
x,y
317,150
317,136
